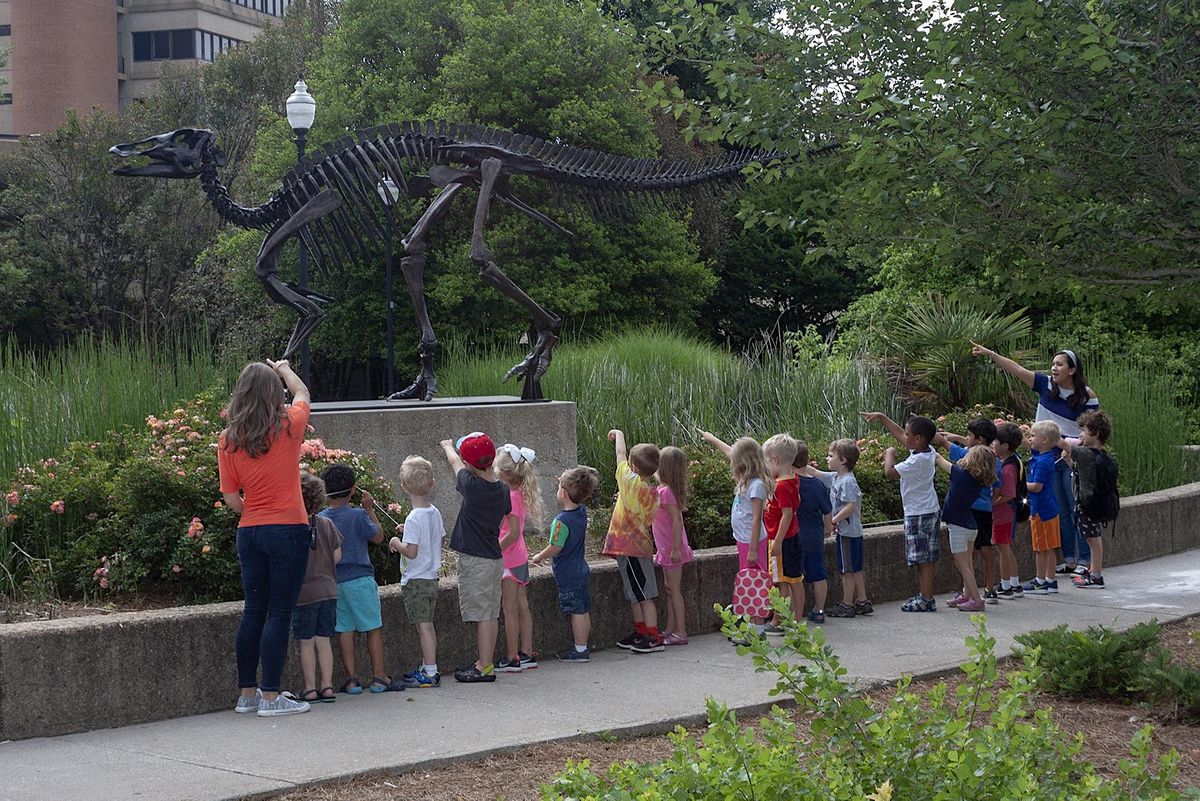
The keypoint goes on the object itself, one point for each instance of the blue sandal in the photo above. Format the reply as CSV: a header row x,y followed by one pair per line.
x,y
351,686
388,685
919,603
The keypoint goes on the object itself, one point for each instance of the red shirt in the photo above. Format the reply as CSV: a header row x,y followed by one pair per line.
x,y
787,496
270,483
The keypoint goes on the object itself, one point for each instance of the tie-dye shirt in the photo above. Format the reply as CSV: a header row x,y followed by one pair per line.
x,y
633,515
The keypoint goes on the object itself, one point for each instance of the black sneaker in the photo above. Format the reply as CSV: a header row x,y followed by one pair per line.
x,y
991,597
507,665
863,607
473,675
842,609
1018,591
528,661
628,642
1064,569
647,645
1090,581
573,655
1003,592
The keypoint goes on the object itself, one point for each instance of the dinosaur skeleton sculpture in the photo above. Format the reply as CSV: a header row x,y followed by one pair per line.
x,y
331,201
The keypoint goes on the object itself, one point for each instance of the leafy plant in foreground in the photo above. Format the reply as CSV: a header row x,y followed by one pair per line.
x,y
1099,661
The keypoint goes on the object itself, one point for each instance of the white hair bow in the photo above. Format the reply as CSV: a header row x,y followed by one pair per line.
x,y
517,453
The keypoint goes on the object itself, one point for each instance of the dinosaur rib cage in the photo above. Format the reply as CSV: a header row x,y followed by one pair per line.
x,y
601,183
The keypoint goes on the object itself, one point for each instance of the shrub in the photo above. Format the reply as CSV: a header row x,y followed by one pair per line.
x,y
1097,662
142,508
984,740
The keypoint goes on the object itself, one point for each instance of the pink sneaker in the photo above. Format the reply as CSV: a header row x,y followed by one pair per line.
x,y
674,638
970,605
958,599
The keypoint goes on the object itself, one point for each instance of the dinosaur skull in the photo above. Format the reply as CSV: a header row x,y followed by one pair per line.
x,y
178,154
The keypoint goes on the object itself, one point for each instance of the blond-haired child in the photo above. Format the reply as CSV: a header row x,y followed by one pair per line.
x,y
1043,506
420,543
779,519
514,466
671,548
968,476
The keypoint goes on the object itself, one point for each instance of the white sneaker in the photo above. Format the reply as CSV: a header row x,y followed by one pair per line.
x,y
284,704
248,703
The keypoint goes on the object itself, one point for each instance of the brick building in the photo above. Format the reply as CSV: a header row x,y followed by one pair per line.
x,y
80,54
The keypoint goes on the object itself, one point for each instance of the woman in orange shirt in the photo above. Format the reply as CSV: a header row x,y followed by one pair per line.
x,y
259,461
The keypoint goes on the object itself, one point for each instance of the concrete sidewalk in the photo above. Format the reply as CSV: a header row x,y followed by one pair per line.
x,y
228,756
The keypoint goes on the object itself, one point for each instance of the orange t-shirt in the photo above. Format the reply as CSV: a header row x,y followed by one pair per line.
x,y
269,483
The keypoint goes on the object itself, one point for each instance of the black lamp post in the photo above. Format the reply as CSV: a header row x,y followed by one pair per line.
x,y
301,110
389,193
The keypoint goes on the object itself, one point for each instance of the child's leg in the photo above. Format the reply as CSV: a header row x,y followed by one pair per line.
x,y
820,588
925,578
346,647
797,592
375,650
308,662
673,578
859,583
581,628
512,615
849,587
971,560
526,618
966,569
989,566
650,615
1097,546
1008,562
785,592
324,647
486,633
428,637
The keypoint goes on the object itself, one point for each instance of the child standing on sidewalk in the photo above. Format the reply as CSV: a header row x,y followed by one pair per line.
x,y
420,544
514,466
1043,508
922,512
476,539
980,431
568,533
1095,490
845,496
315,616
779,519
976,469
630,540
671,549
815,517
1004,514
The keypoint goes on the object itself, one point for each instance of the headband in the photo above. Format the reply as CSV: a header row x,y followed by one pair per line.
x,y
1070,354
518,454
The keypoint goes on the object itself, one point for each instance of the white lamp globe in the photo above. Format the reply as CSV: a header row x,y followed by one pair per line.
x,y
301,108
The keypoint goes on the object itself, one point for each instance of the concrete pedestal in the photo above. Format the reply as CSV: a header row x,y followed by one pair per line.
x,y
394,430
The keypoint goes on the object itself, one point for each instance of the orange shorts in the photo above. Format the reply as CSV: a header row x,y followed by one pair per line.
x,y
1044,534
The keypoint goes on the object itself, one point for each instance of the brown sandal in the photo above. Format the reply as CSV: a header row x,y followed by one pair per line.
x,y
327,695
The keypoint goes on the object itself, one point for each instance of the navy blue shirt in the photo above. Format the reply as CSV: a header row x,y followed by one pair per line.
x,y
484,505
568,531
964,489
984,502
814,505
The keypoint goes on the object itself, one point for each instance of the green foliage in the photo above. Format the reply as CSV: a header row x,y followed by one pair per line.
x,y
140,509
1100,661
986,739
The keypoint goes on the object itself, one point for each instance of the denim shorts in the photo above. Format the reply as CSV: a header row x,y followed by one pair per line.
x,y
575,599
358,605
850,554
315,620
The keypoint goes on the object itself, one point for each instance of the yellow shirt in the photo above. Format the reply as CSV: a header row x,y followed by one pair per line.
x,y
629,531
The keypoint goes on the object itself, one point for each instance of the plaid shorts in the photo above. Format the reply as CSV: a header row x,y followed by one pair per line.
x,y
922,537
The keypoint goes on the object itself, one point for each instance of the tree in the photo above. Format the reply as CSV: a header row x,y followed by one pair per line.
x,y
1047,141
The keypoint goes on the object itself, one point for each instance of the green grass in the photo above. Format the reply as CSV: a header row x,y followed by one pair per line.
x,y
95,385
659,386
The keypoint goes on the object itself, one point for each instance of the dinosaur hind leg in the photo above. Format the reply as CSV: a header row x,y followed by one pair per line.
x,y
545,324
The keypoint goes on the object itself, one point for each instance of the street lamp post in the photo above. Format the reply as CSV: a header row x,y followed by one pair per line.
x,y
389,193
301,110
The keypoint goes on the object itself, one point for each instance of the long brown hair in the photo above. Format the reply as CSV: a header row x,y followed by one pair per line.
x,y
256,412
673,473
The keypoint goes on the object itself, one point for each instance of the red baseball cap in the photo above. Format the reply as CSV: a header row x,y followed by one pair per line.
x,y
476,449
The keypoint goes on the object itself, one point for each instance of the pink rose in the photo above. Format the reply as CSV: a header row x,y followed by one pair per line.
x,y
58,507
180,473
176,569
104,584
217,505
206,549
394,508
12,498
10,519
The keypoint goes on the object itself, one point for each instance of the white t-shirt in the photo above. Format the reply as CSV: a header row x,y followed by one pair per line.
x,y
916,483
425,529
741,516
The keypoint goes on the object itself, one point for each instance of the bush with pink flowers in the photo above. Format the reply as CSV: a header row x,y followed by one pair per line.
x,y
141,510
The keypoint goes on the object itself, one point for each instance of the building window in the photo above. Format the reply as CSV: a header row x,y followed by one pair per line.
x,y
6,99
182,43
5,30
273,8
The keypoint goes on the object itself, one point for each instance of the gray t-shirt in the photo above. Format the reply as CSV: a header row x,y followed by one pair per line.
x,y
844,490
484,505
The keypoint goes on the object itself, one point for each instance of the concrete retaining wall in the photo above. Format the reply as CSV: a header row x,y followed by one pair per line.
x,y
64,676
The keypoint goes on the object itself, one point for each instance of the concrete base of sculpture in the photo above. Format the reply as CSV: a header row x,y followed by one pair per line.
x,y
393,430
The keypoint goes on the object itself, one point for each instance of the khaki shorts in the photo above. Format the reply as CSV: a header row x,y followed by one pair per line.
x,y
420,599
479,587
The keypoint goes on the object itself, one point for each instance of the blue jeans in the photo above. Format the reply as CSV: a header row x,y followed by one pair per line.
x,y
273,560
1075,549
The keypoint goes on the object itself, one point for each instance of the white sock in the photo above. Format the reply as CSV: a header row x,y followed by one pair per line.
x,y
1014,581
1004,585
429,670
579,649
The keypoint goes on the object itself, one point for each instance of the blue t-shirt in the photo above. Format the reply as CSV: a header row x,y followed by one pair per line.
x,y
814,505
984,502
568,531
964,490
1041,471
357,530
1052,407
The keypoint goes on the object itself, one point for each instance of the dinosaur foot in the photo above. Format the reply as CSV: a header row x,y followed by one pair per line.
x,y
535,365
422,388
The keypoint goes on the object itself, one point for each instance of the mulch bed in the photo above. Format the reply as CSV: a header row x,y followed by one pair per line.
x,y
1107,728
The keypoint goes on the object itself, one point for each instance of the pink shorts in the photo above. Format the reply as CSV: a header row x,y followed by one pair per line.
x,y
1002,533
744,551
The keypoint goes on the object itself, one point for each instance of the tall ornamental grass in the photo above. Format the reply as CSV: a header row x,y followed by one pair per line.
x,y
95,385
659,386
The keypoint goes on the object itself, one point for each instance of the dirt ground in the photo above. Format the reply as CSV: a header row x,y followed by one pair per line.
x,y
1107,728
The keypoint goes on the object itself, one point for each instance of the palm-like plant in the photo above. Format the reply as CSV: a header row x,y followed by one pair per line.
x,y
930,354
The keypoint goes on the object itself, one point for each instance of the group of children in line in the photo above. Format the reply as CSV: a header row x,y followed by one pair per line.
x,y
783,510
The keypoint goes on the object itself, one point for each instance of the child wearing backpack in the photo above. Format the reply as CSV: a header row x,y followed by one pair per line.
x,y
1097,500
1010,505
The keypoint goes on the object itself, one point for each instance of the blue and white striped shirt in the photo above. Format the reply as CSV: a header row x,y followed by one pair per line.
x,y
1052,405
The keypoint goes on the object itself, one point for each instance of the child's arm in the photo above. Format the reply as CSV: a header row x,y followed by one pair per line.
x,y
708,437
337,555
845,513
813,472
1024,375
942,461
755,530
617,436
514,531
558,535
548,552
406,549
368,506
943,439
888,423
676,533
785,522
889,463
455,461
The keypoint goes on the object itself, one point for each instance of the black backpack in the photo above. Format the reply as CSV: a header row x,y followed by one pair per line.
x,y
1020,504
1105,503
